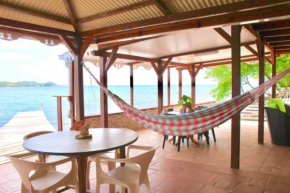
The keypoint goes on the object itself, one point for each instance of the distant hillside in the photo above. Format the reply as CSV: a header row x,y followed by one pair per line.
x,y
26,84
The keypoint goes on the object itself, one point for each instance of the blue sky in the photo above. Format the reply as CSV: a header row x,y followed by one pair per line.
x,y
29,60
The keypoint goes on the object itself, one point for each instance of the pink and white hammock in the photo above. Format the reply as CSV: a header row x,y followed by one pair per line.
x,y
196,122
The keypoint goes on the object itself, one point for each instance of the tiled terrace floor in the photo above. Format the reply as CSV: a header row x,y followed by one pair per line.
x,y
264,168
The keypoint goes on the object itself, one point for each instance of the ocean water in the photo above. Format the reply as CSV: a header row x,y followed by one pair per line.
x,y
21,99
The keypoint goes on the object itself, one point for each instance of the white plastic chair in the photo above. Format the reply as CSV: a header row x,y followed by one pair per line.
x,y
111,165
38,178
132,175
44,158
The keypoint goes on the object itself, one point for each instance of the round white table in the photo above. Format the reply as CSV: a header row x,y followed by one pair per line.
x,y
64,143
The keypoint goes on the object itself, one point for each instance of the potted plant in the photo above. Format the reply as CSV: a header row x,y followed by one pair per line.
x,y
185,102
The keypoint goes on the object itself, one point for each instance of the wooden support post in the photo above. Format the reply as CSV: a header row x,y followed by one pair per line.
x,y
168,86
71,99
236,90
79,86
193,85
160,87
261,51
59,113
273,56
131,85
104,98
179,84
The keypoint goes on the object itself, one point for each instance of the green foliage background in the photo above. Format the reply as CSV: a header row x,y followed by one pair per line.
x,y
223,75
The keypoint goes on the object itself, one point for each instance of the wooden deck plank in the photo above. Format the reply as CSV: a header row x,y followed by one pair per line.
x,y
11,134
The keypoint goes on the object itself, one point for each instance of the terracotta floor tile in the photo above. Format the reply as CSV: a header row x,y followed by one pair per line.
x,y
243,189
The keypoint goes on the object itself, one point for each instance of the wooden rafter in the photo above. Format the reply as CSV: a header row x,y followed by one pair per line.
x,y
206,50
165,65
30,34
66,41
124,56
33,28
153,64
273,25
253,51
278,32
211,16
250,30
277,44
198,69
115,12
106,46
70,13
282,48
277,39
224,34
33,12
111,59
163,7
86,44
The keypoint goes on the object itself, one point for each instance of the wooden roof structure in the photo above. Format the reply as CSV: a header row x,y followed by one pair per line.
x,y
163,33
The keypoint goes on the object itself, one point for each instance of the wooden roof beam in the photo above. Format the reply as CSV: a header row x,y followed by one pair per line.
x,y
205,50
282,48
70,13
236,12
273,25
277,39
279,32
111,59
276,44
125,56
107,46
250,30
163,7
67,42
33,12
116,11
34,28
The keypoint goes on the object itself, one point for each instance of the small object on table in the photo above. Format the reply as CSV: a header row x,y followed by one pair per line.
x,y
84,132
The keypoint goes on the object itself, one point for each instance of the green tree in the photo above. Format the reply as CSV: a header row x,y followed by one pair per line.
x,y
223,75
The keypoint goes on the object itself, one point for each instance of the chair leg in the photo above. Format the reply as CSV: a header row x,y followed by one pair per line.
x,y
98,186
165,137
182,140
179,141
213,134
88,175
187,140
23,189
174,140
134,188
147,184
111,166
207,137
77,187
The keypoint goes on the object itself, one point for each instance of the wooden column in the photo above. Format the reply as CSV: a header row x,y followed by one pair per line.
x,y
104,98
261,52
59,113
71,99
179,84
236,90
168,86
193,75
160,87
131,85
79,85
273,56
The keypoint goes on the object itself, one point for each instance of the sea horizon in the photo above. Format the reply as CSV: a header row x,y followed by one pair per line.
x,y
23,99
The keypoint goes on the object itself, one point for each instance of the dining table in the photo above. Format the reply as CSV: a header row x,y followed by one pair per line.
x,y
64,143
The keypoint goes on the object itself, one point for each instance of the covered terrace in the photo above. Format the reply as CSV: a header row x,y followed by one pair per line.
x,y
157,34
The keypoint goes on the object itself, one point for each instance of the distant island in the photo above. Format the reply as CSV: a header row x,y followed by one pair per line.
x,y
26,84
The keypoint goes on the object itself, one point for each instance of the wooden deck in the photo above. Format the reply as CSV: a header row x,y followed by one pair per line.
x,y
11,134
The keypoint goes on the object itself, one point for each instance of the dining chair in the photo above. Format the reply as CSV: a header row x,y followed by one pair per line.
x,y
132,174
43,179
44,158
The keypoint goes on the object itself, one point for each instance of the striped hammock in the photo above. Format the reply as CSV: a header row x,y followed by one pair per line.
x,y
196,122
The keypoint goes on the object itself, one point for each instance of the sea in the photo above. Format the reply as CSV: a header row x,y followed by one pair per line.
x,y
21,99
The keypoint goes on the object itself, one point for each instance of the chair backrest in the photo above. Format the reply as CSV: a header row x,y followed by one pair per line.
x,y
34,134
24,167
144,159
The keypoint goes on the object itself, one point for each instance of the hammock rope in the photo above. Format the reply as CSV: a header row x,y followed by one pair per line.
x,y
191,123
